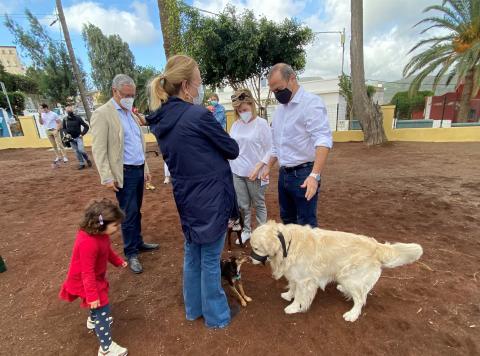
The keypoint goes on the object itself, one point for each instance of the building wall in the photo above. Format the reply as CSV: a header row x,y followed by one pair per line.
x,y
10,60
31,138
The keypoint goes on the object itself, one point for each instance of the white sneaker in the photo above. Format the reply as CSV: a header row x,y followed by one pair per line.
x,y
114,350
90,324
57,160
65,159
167,180
245,237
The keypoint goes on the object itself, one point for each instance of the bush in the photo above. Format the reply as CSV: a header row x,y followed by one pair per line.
x,y
406,104
17,100
18,82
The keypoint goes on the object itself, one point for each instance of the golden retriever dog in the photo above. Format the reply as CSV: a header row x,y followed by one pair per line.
x,y
310,258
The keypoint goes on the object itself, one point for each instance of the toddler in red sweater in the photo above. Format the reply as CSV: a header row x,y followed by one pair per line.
x,y
88,266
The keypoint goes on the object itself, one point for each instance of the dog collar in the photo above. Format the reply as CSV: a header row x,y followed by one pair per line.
x,y
259,258
284,245
285,249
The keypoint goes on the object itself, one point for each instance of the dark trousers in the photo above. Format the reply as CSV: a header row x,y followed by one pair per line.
x,y
130,199
294,207
102,319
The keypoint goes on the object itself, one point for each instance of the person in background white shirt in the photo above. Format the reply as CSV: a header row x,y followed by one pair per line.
x,y
52,124
301,142
254,138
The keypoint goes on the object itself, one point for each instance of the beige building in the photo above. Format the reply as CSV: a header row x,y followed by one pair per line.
x,y
10,60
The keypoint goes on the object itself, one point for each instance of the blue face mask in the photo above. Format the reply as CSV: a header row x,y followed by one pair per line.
x,y
213,102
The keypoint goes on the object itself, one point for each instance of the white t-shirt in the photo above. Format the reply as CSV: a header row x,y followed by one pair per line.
x,y
255,142
50,120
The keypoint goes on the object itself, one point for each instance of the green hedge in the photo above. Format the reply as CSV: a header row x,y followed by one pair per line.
x,y
17,100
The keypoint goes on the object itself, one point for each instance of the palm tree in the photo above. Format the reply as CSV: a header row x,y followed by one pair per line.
x,y
169,11
455,54
367,113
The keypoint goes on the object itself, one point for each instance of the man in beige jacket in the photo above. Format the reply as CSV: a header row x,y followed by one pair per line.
x,y
119,152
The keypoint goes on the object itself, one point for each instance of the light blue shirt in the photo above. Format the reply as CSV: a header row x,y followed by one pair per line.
x,y
220,116
132,140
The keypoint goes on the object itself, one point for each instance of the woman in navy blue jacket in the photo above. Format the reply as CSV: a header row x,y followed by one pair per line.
x,y
196,150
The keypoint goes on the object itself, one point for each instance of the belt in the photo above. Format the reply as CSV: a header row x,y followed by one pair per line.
x,y
300,166
132,166
51,129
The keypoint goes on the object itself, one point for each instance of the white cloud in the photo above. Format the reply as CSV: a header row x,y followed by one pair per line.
x,y
388,36
276,10
388,32
134,27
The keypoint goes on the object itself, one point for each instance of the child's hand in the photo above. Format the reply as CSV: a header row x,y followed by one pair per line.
x,y
124,264
95,304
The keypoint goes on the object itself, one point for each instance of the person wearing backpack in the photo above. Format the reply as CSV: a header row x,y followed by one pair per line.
x,y
77,128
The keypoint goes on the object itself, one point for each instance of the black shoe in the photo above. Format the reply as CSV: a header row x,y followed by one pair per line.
x,y
234,310
89,163
135,265
145,247
81,167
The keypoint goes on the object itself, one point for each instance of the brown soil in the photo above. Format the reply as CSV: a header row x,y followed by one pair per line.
x,y
407,192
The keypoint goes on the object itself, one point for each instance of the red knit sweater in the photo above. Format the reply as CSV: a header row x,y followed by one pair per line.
x,y
88,266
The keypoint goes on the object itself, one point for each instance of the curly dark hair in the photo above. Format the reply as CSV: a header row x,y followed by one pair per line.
x,y
98,214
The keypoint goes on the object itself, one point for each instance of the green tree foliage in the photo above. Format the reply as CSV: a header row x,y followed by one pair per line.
x,y
18,82
406,103
51,67
345,85
238,49
109,56
142,77
454,53
17,101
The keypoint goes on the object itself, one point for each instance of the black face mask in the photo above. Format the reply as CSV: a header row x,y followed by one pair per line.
x,y
283,96
70,113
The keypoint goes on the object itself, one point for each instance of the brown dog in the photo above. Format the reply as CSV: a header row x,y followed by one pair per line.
x,y
231,273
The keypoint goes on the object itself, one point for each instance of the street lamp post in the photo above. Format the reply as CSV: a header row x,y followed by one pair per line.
x,y
342,42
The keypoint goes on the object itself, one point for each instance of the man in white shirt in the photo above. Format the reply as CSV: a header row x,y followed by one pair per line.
x,y
52,124
301,142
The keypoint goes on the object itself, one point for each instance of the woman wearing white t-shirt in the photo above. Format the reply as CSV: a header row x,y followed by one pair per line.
x,y
254,138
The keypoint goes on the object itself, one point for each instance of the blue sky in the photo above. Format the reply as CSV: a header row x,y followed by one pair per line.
x,y
388,28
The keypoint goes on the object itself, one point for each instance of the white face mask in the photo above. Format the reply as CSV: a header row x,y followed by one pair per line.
x,y
127,103
246,116
198,100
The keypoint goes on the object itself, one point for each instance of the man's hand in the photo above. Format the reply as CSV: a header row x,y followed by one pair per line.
x,y
124,264
254,175
95,304
148,177
312,185
266,173
112,185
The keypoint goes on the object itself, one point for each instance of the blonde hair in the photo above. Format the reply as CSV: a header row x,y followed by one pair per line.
x,y
178,69
248,100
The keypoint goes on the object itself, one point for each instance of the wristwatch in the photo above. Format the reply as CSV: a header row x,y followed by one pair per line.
x,y
316,176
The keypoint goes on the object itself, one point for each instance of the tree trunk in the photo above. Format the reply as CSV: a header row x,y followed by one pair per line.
x,y
167,45
76,70
366,111
462,115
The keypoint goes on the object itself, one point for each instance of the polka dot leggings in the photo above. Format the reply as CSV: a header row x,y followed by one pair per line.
x,y
102,319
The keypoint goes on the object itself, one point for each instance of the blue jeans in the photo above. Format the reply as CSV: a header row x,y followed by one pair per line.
x,y
130,199
202,285
294,207
77,146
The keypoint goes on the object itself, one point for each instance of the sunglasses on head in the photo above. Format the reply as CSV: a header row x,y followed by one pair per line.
x,y
240,97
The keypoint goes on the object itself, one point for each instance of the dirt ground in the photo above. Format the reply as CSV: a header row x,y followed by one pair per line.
x,y
408,192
